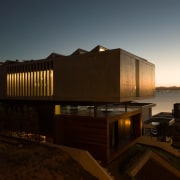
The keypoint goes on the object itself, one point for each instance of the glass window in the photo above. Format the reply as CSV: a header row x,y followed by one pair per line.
x,y
30,83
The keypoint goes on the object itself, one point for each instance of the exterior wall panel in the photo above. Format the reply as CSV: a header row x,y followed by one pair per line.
x,y
108,76
83,132
146,79
127,77
92,77
96,133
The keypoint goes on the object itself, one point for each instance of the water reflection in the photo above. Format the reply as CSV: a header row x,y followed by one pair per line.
x,y
164,100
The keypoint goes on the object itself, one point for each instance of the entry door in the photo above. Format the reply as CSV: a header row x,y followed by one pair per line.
x,y
114,134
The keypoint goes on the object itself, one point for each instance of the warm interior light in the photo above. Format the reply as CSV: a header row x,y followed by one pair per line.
x,y
57,109
101,49
34,83
127,122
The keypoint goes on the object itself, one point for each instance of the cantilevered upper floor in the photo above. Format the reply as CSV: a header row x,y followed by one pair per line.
x,y
99,76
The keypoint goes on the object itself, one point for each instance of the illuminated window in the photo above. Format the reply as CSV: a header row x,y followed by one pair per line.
x,y
21,84
30,83
101,49
124,126
51,83
37,83
17,84
41,83
57,109
48,77
8,82
45,82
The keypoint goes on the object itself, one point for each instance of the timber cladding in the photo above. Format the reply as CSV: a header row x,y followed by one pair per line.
x,y
83,132
103,134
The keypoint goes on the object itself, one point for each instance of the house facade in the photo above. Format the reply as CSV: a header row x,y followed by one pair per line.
x,y
85,79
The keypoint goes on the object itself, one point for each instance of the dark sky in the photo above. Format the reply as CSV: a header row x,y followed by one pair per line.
x,y
32,29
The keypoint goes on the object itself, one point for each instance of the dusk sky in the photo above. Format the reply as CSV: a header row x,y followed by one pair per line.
x,y
32,29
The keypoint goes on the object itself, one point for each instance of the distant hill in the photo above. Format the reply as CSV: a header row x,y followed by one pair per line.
x,y
174,88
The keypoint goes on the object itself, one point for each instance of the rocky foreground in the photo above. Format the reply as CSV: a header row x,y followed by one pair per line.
x,y
32,161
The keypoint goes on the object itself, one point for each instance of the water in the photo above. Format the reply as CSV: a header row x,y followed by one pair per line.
x,y
164,100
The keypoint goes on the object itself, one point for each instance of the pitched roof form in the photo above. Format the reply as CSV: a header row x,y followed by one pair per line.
x,y
79,52
99,49
54,55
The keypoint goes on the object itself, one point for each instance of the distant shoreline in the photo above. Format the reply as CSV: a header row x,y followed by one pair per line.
x,y
174,88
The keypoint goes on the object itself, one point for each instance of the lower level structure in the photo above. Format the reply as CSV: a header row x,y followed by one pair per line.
x,y
103,133
103,130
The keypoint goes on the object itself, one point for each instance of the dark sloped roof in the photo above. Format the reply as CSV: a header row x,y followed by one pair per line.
x,y
11,61
79,51
54,55
99,48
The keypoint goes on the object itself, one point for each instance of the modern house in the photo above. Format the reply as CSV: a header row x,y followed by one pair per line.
x,y
83,100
